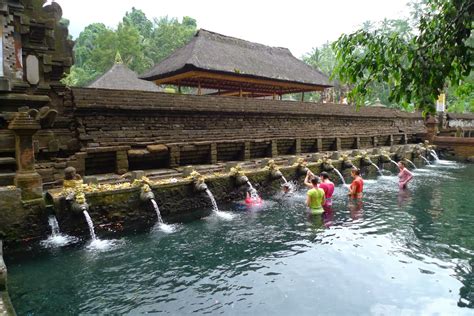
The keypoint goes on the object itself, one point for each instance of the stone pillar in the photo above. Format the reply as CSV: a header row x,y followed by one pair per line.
x,y
375,141
338,143
174,156
357,143
273,148
298,146
121,161
319,144
432,128
405,139
26,178
213,154
390,140
246,151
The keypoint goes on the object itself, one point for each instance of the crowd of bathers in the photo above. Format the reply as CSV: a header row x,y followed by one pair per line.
x,y
321,189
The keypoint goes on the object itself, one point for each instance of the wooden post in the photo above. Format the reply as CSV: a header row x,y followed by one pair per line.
x,y
274,96
240,92
302,96
179,88
199,87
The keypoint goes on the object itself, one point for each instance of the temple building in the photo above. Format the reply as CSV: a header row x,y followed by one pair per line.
x,y
120,77
234,67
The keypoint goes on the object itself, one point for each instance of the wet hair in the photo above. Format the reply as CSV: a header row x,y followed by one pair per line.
x,y
324,175
403,163
315,180
356,171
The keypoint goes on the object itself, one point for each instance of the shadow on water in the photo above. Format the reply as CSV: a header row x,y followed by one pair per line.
x,y
414,247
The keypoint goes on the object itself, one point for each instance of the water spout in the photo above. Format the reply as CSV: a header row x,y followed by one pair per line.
x,y
56,239
53,223
394,162
284,179
340,176
376,167
253,191
90,224
215,208
411,163
157,210
434,155
426,160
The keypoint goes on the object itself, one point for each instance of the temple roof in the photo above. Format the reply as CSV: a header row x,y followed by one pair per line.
x,y
120,77
231,60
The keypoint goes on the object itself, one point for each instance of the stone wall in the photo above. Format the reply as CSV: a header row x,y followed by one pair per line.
x,y
168,130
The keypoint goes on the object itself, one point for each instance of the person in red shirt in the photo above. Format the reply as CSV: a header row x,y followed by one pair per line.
x,y
357,185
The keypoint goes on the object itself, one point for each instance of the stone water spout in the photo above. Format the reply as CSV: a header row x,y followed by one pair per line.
x,y
198,181
385,157
346,162
239,176
146,193
275,172
79,204
326,164
301,166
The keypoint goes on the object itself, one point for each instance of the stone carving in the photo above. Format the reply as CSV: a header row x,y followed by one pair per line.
x,y
32,69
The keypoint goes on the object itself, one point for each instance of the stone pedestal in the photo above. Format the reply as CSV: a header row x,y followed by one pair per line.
x,y
26,178
432,128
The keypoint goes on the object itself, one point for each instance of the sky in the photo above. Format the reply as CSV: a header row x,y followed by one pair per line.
x,y
298,25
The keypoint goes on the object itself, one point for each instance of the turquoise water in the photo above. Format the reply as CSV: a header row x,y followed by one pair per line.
x,y
405,253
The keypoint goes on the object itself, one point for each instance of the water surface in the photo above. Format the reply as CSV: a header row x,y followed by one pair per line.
x,y
399,252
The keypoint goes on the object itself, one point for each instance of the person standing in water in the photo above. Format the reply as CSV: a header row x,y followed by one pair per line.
x,y
328,187
404,176
357,186
315,196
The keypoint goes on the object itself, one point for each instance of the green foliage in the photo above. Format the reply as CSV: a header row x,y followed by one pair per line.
x,y
322,58
168,35
140,42
415,66
460,98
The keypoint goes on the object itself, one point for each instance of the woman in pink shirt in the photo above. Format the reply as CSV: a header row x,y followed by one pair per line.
x,y
404,176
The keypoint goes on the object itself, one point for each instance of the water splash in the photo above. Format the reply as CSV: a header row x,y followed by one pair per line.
x,y
394,162
434,155
377,167
284,179
56,239
411,163
90,224
215,208
157,210
253,191
340,176
426,160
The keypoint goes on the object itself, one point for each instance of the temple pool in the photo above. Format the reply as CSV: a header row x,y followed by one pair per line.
x,y
407,253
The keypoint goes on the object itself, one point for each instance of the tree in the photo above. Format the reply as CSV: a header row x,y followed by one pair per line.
x,y
138,19
169,34
416,68
140,42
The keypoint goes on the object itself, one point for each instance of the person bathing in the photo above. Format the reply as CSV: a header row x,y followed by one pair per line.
x,y
404,176
315,196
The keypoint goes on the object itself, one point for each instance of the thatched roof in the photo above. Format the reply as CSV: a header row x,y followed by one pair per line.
x,y
120,77
236,59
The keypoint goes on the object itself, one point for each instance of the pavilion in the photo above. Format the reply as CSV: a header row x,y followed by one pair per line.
x,y
216,64
120,77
